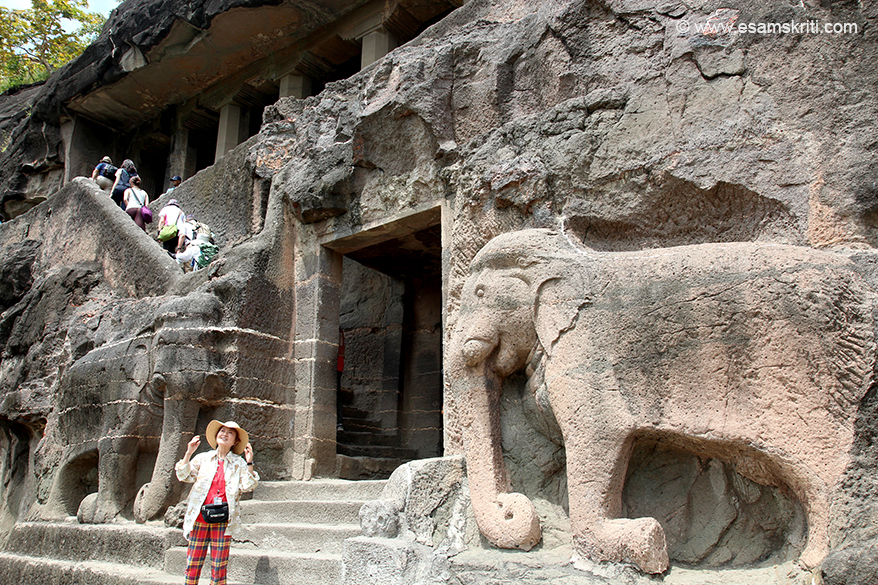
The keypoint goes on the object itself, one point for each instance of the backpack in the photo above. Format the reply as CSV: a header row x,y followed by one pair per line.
x,y
202,229
108,171
124,183
208,252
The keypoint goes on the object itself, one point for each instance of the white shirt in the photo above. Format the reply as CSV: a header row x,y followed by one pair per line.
x,y
135,198
169,215
200,470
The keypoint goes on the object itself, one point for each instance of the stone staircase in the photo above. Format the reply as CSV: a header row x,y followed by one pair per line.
x,y
294,533
365,451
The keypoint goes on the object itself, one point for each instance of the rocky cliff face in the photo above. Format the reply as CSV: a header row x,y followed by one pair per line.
x,y
130,73
627,125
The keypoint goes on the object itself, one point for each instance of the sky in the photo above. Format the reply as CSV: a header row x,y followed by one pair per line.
x,y
102,6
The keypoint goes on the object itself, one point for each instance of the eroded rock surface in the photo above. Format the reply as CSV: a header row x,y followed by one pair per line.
x,y
610,122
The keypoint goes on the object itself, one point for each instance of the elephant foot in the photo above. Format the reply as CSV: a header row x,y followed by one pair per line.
x,y
639,541
813,555
92,511
143,511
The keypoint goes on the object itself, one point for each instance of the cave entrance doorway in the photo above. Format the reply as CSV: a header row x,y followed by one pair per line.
x,y
389,387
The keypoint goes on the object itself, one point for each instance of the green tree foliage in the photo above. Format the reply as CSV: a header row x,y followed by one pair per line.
x,y
35,42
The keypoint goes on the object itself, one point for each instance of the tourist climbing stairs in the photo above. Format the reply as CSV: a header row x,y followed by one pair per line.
x,y
293,534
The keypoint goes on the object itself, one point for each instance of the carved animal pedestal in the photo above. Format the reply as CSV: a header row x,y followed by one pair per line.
x,y
756,354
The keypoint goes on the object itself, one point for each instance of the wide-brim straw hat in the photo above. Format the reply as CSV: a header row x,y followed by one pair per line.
x,y
213,428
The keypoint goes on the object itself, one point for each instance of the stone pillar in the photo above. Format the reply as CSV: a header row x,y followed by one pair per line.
x,y
231,125
182,158
388,404
315,352
376,44
421,415
84,145
297,86
452,434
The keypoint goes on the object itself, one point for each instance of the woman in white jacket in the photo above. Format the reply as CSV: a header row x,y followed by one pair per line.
x,y
220,475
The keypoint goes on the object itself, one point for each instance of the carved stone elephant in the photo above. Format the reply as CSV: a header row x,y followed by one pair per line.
x,y
189,371
106,418
133,399
757,354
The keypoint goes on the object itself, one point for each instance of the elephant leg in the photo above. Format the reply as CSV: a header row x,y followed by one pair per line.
x,y
117,466
808,476
812,493
595,501
818,533
178,426
598,434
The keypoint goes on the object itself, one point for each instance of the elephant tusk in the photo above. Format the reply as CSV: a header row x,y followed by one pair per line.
x,y
475,351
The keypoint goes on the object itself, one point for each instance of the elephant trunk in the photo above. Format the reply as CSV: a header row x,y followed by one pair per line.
x,y
177,427
507,520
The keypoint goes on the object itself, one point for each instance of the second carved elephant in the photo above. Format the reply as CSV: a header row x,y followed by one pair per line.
x,y
757,354
130,400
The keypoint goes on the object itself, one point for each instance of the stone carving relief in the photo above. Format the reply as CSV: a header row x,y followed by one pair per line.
x,y
129,399
754,354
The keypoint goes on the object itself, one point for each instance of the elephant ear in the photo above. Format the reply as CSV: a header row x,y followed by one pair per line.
x,y
556,304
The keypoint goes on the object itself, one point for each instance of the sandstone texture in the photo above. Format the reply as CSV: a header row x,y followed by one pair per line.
x,y
716,188
649,344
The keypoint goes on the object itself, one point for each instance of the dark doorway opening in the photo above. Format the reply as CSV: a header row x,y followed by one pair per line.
x,y
390,390
153,164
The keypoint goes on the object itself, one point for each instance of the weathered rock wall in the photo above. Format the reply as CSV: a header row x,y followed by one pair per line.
x,y
143,38
107,347
227,196
616,123
608,121
84,225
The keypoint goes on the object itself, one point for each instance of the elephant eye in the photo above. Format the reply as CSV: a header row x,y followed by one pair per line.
x,y
480,292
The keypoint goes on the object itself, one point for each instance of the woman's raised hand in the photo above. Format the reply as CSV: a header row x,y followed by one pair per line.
x,y
248,453
193,445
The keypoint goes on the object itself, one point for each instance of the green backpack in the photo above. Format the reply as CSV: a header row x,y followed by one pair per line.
x,y
168,232
208,252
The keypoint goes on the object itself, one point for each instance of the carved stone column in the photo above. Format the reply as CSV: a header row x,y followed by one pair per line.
x,y
297,86
315,352
376,44
232,129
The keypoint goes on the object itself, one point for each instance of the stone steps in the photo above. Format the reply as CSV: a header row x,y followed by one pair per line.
x,y
362,426
129,543
27,570
350,437
306,538
365,450
377,451
324,489
293,534
310,511
268,566
364,468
